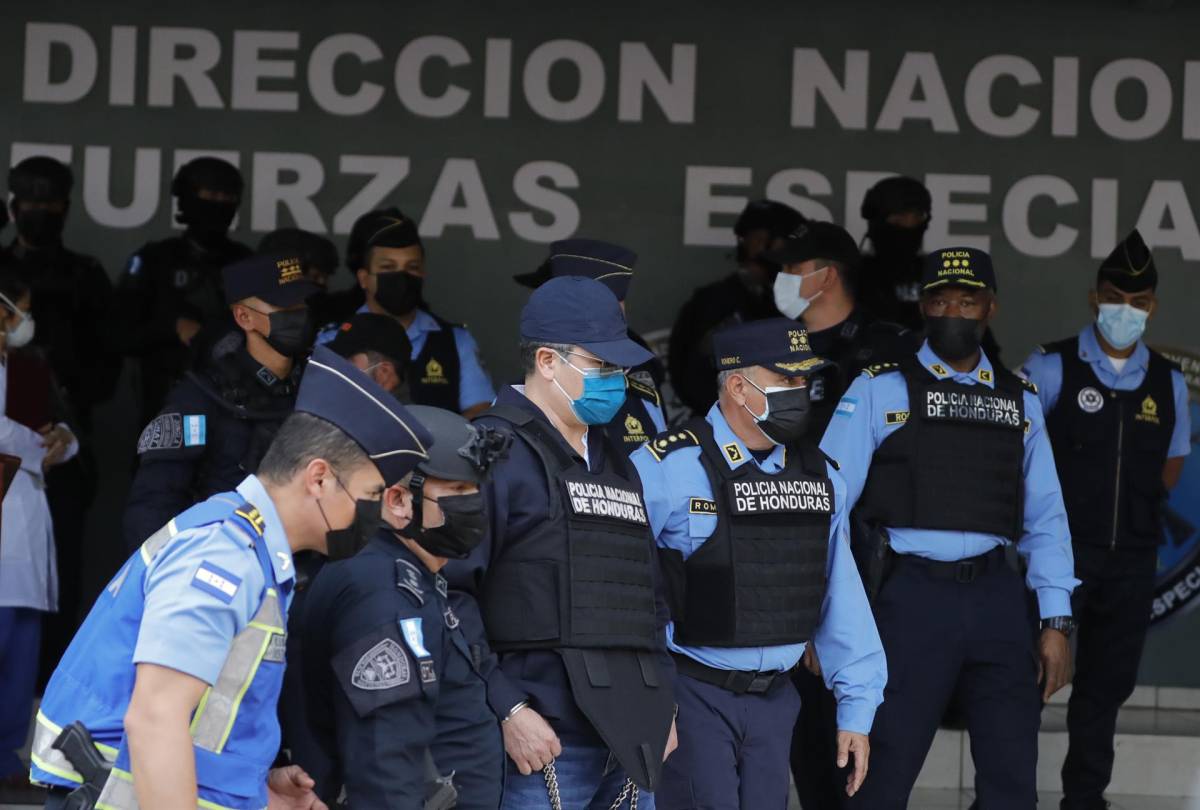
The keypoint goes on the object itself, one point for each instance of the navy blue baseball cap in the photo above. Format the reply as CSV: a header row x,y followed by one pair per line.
x,y
962,266
611,265
581,312
277,279
336,391
779,344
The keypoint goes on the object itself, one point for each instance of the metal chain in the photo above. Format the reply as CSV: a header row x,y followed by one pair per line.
x,y
628,791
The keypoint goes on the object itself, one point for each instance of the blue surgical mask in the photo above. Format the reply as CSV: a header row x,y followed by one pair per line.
x,y
603,394
1121,324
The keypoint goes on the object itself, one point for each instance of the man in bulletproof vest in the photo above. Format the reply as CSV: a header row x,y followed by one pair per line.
x,y
642,414
379,668
897,211
743,295
753,542
1117,415
72,300
378,345
218,421
171,289
445,370
817,285
565,583
950,475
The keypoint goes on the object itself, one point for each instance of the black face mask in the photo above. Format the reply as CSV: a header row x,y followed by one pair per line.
x,y
206,219
954,339
342,544
894,242
398,293
463,529
40,227
787,415
292,332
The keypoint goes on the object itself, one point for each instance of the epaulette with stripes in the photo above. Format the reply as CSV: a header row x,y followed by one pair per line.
x,y
646,392
1030,385
669,441
876,369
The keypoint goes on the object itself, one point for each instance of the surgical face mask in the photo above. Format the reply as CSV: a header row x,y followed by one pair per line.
x,y
785,417
398,292
291,332
1121,324
603,394
788,299
40,227
465,523
342,544
22,333
954,339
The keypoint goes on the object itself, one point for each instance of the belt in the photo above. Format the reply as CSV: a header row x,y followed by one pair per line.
x,y
737,681
961,571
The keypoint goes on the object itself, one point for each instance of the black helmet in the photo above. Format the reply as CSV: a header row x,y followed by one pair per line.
x,y
41,179
461,451
895,195
211,173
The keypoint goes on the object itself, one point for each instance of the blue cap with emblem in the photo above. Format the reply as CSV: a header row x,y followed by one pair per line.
x,y
963,266
278,279
778,344
611,265
336,391
581,312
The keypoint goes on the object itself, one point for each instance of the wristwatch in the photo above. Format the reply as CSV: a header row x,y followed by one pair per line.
x,y
1063,624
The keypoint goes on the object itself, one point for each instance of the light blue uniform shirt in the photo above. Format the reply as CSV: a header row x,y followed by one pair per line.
x,y
848,644
475,387
859,426
1045,370
189,627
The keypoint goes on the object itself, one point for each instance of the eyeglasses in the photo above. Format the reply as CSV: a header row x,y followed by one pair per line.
x,y
603,370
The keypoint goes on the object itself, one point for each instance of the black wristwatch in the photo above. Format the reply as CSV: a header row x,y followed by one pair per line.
x,y
1063,624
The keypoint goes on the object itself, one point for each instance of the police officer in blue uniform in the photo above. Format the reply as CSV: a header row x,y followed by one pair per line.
x,y
176,671
445,370
949,470
383,647
642,414
565,582
751,525
1117,416
171,289
217,422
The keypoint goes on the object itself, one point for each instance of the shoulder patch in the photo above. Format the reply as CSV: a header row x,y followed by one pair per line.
x,y
216,581
375,671
875,369
414,637
384,666
173,431
702,506
895,417
668,442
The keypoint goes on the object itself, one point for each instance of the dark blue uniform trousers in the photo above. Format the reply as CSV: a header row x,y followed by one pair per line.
x,y
941,635
733,749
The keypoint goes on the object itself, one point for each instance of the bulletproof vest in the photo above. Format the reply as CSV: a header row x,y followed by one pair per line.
x,y
633,426
957,464
759,580
192,275
435,374
583,577
1110,447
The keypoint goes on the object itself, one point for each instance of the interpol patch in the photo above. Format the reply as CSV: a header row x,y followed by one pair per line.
x,y
216,581
776,496
590,499
384,666
702,506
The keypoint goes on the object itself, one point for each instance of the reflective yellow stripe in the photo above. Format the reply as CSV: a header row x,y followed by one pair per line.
x,y
50,759
119,794
214,718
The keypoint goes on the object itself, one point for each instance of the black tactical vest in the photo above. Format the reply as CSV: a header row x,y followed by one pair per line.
x,y
633,426
1110,447
759,580
435,374
957,464
583,577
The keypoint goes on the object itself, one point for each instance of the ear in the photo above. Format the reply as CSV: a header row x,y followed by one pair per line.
x,y
397,501
993,305
362,275
544,362
735,387
318,478
243,317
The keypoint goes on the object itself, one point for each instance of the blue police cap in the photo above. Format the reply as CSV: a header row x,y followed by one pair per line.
x,y
779,344
958,266
581,312
611,265
277,279
336,391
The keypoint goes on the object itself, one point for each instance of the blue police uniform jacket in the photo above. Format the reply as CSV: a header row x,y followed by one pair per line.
x,y
206,595
876,405
847,640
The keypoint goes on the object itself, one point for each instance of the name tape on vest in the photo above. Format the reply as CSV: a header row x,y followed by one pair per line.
x,y
605,500
965,406
781,496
